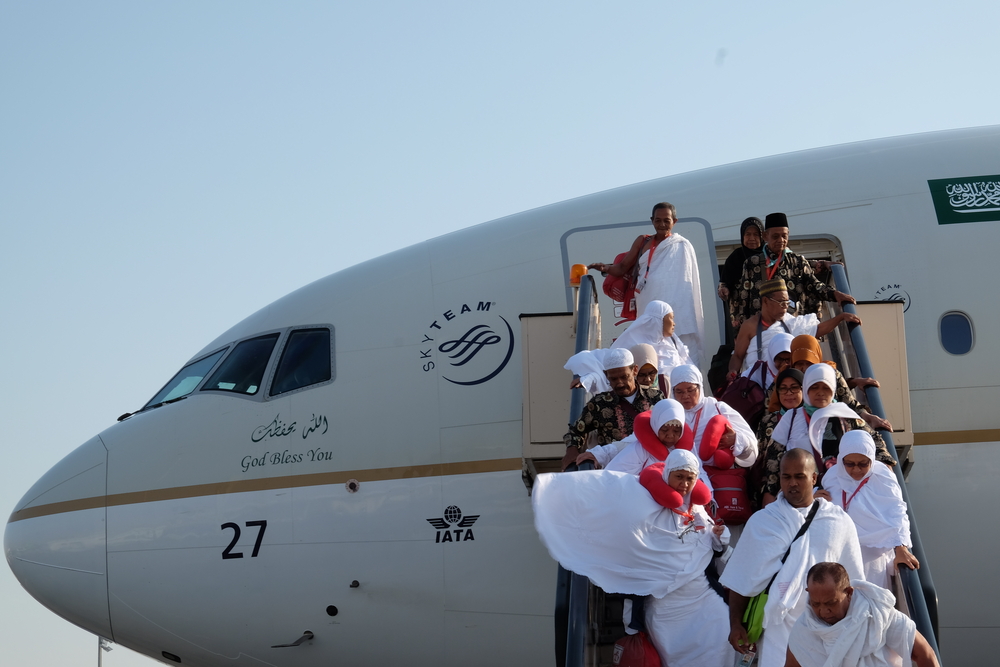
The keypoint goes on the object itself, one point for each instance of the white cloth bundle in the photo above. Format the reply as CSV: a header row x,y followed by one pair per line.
x,y
606,526
589,365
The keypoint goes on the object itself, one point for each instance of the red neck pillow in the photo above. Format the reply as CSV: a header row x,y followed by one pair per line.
x,y
643,430
714,430
652,480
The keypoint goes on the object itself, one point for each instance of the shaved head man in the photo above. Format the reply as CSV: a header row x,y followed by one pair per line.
x,y
851,623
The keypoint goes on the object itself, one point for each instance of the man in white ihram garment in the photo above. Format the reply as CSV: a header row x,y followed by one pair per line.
x,y
671,276
831,536
646,535
853,624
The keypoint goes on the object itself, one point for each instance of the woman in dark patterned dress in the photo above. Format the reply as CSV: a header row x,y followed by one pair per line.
x,y
786,394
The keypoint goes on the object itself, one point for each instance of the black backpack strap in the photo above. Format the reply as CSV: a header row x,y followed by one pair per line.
x,y
802,531
760,343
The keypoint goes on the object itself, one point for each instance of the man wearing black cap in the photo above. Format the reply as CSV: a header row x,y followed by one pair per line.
x,y
777,261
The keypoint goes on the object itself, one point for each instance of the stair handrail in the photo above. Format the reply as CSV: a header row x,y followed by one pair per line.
x,y
921,595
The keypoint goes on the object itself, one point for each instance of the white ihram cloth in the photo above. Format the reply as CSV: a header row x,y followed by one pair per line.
x,y
673,277
648,329
606,526
589,365
873,634
797,326
831,537
877,508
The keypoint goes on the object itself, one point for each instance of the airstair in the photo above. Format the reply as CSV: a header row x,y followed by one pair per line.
x,y
587,620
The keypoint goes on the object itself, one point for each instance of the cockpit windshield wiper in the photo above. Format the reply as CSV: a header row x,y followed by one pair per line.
x,y
150,407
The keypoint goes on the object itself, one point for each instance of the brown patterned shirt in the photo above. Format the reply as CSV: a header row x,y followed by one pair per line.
x,y
610,416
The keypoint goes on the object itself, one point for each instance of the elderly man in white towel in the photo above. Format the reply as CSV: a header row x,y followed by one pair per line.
x,y
667,271
853,624
757,557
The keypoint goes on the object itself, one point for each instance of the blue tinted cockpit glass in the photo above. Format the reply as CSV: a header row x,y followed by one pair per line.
x,y
956,333
304,361
243,370
186,380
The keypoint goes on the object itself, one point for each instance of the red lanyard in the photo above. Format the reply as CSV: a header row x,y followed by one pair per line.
x,y
694,429
688,516
649,262
847,501
771,269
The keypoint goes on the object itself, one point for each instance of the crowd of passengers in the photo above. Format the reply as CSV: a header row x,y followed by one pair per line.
x,y
764,521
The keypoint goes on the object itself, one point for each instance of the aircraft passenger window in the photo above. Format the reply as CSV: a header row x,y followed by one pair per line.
x,y
956,333
305,361
243,370
186,379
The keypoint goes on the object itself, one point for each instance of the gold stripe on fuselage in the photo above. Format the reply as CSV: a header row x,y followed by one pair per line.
x,y
956,437
268,484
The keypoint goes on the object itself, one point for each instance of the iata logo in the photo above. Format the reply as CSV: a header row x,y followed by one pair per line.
x,y
454,527
893,292
468,345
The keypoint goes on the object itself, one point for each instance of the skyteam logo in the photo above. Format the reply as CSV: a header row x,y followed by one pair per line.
x,y
893,292
453,527
468,345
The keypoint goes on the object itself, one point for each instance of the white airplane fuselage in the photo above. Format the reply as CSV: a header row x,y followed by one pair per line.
x,y
398,526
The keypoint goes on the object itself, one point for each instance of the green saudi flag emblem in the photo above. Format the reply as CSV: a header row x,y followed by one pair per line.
x,y
969,199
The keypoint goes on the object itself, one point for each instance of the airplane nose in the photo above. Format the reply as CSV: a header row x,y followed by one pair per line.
x,y
56,543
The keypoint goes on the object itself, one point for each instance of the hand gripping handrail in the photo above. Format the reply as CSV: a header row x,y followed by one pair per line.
x,y
921,596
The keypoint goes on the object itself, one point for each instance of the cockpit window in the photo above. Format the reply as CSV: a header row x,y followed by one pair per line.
x,y
243,370
304,361
186,380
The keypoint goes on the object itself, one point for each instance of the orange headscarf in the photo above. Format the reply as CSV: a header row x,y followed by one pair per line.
x,y
806,348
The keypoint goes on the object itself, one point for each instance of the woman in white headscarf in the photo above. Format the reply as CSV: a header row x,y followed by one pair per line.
x,y
654,434
656,539
656,327
778,355
869,492
686,386
822,421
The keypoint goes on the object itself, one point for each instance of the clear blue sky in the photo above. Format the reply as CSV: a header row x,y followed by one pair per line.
x,y
168,168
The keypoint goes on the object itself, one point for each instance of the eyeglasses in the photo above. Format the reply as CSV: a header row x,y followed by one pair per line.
x,y
863,464
790,390
784,304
